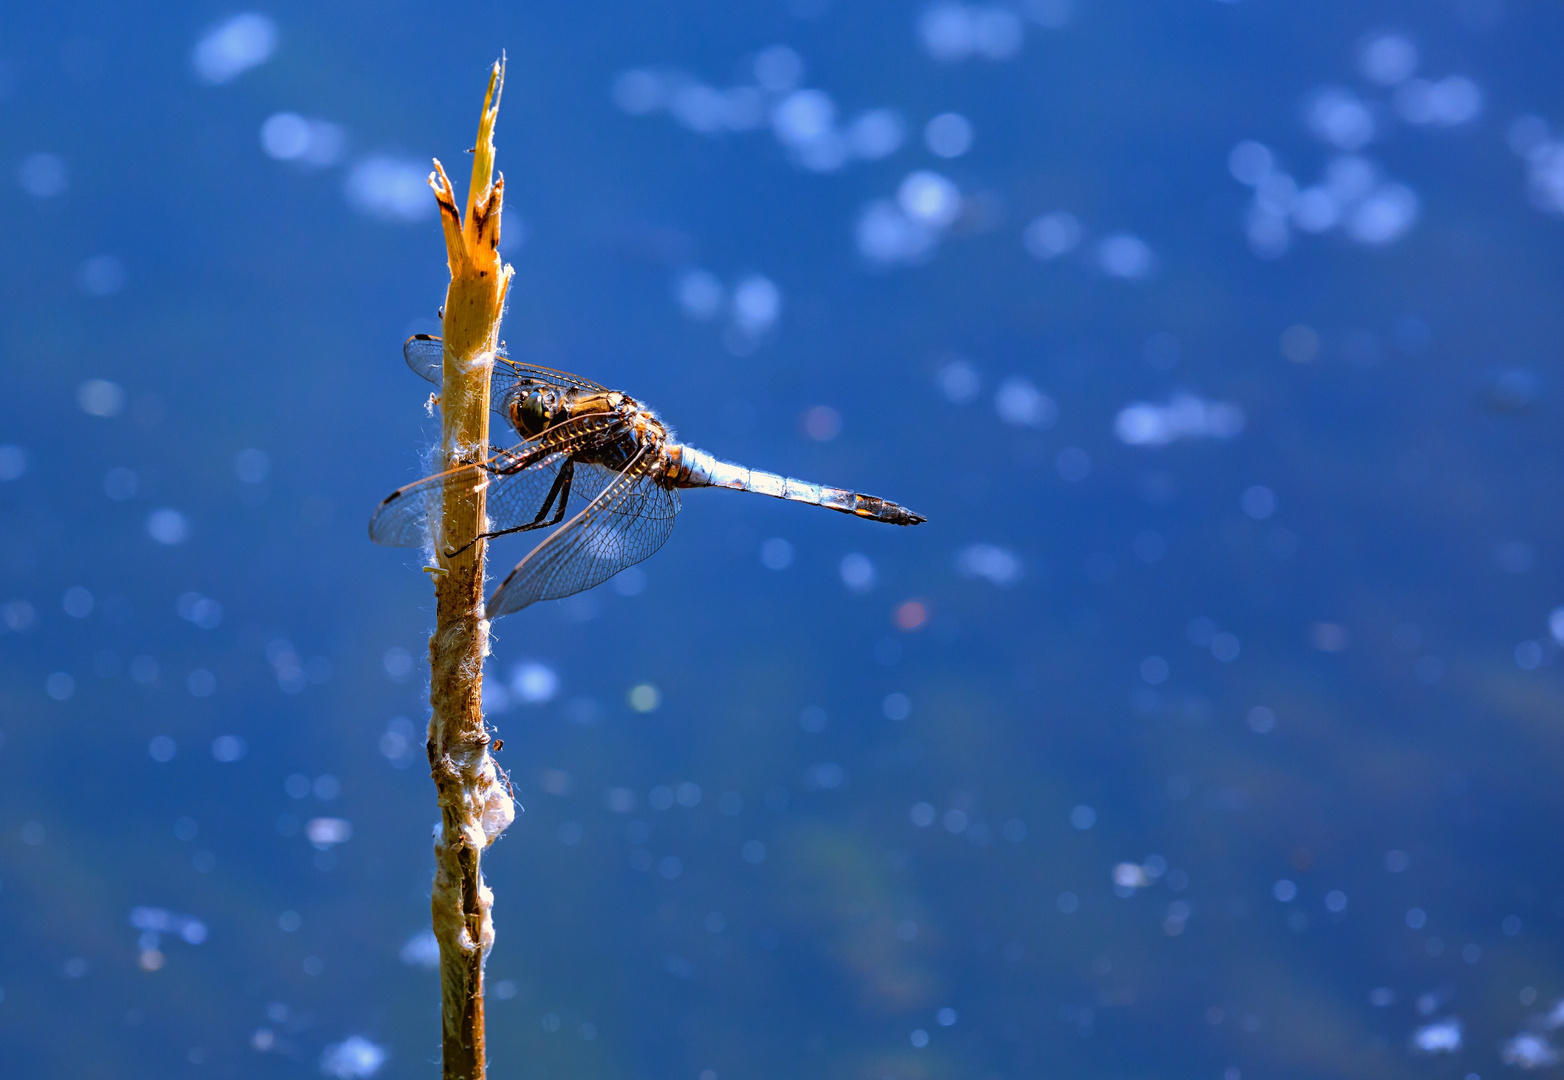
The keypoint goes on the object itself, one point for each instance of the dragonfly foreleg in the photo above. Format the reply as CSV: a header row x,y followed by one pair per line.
x,y
513,463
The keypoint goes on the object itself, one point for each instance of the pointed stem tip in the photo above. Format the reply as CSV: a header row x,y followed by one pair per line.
x,y
479,191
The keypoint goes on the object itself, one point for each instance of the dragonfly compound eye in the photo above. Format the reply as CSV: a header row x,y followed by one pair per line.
x,y
533,413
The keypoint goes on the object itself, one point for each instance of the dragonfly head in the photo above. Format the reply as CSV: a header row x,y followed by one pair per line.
x,y
532,413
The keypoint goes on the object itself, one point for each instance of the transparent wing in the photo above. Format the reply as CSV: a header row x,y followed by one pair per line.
x,y
518,481
629,520
425,355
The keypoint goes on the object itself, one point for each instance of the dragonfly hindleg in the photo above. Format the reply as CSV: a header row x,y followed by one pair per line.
x,y
559,490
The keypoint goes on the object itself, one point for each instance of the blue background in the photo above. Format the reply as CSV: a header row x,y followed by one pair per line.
x,y
1391,609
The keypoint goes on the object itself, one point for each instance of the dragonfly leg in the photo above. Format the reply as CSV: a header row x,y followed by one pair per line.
x,y
560,490
512,466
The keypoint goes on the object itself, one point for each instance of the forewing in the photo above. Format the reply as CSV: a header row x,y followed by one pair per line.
x,y
518,481
629,520
511,379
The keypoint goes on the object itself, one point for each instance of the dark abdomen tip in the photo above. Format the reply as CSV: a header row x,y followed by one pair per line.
x,y
880,510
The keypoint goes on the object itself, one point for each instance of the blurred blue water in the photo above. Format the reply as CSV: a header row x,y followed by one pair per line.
x,y
1209,728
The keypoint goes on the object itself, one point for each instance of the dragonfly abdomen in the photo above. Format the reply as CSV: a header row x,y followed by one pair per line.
x,y
690,468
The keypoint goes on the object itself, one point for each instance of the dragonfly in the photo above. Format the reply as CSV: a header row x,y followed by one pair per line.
x,y
602,447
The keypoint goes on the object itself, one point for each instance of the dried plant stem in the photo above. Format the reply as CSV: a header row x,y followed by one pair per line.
x,y
474,804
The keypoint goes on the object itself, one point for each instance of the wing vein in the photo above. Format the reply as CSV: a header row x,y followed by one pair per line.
x,y
628,520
